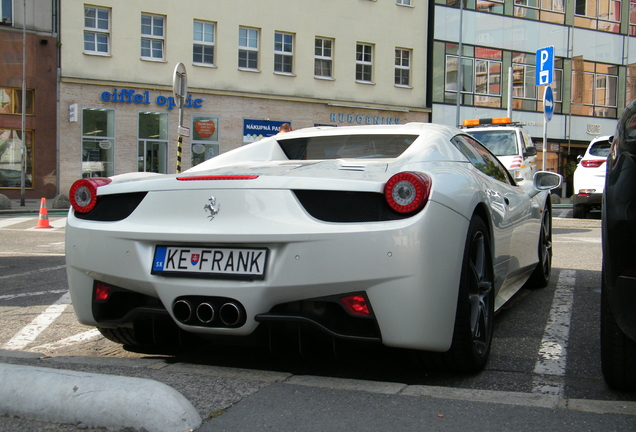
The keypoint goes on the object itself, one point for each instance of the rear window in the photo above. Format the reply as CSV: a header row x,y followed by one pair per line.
x,y
601,149
500,142
346,146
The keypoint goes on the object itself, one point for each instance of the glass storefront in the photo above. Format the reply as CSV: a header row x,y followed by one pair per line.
x,y
204,138
153,142
98,142
11,158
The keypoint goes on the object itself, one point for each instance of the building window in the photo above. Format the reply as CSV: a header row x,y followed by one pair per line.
x,y
96,30
98,142
11,158
152,37
364,63
205,138
283,52
599,15
11,101
153,143
487,76
594,88
248,48
480,76
323,58
492,6
6,12
404,2
204,40
403,67
552,11
526,95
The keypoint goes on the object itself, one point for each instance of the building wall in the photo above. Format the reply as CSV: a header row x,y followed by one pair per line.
x,y
232,111
232,95
41,78
384,24
578,50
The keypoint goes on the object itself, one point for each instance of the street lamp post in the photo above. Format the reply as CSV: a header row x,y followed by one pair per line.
x,y
23,148
459,63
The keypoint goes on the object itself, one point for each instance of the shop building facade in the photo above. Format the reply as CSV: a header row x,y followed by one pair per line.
x,y
31,132
302,63
594,73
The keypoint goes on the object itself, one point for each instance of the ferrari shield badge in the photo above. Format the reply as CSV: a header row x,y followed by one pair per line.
x,y
212,207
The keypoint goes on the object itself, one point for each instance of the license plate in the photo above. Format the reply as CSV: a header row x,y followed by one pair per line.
x,y
212,262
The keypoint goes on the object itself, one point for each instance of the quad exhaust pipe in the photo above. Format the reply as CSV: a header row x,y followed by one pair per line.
x,y
205,313
182,310
209,312
230,314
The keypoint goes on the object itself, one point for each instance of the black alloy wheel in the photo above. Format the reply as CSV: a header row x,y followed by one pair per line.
x,y
540,277
480,293
474,318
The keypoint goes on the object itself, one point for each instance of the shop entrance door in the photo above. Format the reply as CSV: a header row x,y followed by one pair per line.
x,y
152,156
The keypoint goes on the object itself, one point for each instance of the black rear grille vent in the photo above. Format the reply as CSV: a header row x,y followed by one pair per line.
x,y
343,206
111,208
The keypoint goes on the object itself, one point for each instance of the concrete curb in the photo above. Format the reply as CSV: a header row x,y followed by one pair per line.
x,y
95,400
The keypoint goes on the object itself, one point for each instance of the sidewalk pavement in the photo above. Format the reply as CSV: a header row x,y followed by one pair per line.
x,y
133,394
31,206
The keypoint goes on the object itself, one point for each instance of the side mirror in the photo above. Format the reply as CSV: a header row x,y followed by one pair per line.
x,y
530,151
545,180
579,158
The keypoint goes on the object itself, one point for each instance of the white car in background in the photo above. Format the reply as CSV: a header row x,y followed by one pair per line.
x,y
589,177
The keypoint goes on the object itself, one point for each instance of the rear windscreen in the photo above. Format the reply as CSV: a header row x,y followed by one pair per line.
x,y
500,142
346,146
601,148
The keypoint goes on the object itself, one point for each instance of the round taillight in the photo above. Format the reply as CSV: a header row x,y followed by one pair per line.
x,y
408,191
83,193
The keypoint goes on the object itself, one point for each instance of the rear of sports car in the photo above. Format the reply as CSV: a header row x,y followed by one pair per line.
x,y
346,249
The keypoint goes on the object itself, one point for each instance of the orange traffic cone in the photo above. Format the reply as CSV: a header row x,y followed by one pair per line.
x,y
43,220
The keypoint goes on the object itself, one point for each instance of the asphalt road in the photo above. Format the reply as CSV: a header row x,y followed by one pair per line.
x,y
524,387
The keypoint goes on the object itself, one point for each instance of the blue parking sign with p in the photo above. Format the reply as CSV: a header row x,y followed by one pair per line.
x,y
545,66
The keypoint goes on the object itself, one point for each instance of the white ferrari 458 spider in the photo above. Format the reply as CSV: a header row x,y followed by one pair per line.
x,y
410,236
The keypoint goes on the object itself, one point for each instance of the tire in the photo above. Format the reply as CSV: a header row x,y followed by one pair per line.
x,y
618,352
472,336
579,211
124,336
540,277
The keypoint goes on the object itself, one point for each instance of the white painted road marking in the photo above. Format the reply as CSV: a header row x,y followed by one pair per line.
x,y
39,324
55,223
13,221
30,272
71,340
31,294
550,367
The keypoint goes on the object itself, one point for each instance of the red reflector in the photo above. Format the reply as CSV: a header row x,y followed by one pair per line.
x,y
218,177
102,291
592,163
356,304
